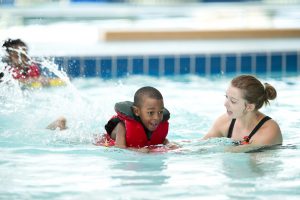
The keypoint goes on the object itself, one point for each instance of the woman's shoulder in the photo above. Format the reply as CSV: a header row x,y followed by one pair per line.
x,y
223,119
222,124
269,133
271,124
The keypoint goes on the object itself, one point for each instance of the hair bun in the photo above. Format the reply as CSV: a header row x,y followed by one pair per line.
x,y
270,92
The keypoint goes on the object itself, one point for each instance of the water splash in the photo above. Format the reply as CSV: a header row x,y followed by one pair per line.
x,y
48,64
19,98
10,90
45,64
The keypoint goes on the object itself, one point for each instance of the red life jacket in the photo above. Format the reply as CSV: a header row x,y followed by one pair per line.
x,y
31,72
135,131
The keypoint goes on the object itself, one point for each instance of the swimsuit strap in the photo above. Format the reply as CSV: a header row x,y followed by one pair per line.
x,y
266,118
231,128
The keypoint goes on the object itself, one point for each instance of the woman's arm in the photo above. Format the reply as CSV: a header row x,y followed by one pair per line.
x,y
268,135
219,128
243,148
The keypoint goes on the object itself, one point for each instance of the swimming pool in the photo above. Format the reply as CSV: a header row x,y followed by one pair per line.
x,y
37,163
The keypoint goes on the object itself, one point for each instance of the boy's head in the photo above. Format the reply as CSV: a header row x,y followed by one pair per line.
x,y
149,106
17,51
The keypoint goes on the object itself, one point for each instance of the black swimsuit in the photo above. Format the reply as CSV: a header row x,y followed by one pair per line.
x,y
247,139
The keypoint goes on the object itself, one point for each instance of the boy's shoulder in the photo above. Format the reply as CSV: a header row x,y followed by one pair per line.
x,y
125,108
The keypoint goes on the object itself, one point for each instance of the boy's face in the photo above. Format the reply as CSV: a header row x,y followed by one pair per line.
x,y
17,55
150,112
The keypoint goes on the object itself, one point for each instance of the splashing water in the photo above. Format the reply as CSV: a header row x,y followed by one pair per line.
x,y
10,89
19,98
46,65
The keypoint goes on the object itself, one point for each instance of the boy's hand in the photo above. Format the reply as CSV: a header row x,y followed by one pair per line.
x,y
172,146
141,150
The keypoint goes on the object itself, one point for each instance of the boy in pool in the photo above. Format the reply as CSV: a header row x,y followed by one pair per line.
x,y
21,66
138,125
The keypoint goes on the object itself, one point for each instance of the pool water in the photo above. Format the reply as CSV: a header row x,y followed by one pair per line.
x,y
37,163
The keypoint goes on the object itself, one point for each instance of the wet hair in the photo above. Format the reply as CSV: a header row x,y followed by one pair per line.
x,y
254,91
13,43
147,91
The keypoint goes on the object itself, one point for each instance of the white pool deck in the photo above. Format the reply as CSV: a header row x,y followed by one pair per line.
x,y
75,34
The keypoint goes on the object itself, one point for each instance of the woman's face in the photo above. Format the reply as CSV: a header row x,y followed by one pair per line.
x,y
235,103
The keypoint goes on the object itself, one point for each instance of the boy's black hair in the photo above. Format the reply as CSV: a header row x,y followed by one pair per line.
x,y
10,43
147,91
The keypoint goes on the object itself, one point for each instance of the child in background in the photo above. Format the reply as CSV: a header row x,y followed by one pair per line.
x,y
22,68
20,65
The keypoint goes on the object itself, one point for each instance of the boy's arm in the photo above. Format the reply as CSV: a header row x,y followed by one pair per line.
x,y
120,133
120,141
170,145
166,142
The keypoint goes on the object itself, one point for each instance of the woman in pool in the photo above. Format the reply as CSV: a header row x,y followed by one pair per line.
x,y
243,122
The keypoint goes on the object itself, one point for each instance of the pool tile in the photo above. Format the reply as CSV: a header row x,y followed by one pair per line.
x,y
89,67
106,67
230,63
261,63
73,68
137,65
169,64
246,63
291,62
153,63
59,61
7,2
184,64
215,64
122,66
200,65
276,62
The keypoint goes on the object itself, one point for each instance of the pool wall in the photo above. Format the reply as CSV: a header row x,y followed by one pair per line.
x,y
281,62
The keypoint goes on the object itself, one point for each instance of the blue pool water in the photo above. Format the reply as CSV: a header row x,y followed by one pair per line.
x,y
37,163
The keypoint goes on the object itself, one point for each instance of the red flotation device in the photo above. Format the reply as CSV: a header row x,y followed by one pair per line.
x,y
136,135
